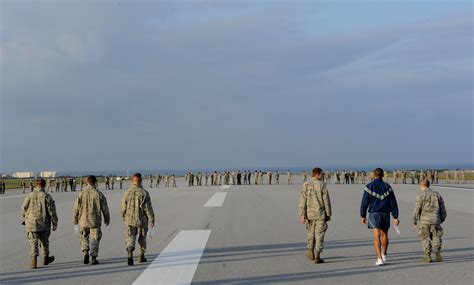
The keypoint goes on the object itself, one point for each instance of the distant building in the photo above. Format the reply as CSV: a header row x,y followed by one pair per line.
x,y
48,174
23,174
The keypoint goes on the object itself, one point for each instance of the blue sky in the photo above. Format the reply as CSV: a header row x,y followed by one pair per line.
x,y
98,85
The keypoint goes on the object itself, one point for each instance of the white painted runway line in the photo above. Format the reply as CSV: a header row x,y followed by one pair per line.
x,y
6,197
178,262
217,200
455,188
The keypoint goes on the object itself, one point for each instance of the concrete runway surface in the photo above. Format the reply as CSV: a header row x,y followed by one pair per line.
x,y
244,235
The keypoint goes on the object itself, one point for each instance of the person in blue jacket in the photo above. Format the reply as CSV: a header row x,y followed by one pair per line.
x,y
379,200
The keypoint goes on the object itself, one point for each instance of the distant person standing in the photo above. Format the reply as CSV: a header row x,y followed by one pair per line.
x,y
3,187
121,182
289,176
137,212
56,185
48,186
71,184
112,182
107,183
89,207
39,212
277,177
32,186
239,178
23,185
158,180
57,182
305,176
173,178
64,184
270,176
315,212
379,200
428,216
412,176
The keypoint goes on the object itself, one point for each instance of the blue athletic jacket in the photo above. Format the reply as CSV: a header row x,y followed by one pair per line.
x,y
379,197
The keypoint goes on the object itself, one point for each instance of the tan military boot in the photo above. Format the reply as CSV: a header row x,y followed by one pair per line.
x,y
310,254
427,258
439,258
33,262
48,259
141,258
318,258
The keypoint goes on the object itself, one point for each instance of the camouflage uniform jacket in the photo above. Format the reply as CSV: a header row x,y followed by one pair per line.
x,y
429,208
89,206
39,211
314,201
136,207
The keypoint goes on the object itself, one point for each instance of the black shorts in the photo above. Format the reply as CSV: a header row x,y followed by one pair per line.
x,y
378,220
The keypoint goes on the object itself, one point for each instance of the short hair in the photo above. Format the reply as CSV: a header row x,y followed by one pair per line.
x,y
40,182
138,175
426,183
378,172
317,171
91,180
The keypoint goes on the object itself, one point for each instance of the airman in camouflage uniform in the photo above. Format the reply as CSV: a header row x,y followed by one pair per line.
x,y
305,176
315,212
89,207
112,182
173,181
428,216
39,212
137,212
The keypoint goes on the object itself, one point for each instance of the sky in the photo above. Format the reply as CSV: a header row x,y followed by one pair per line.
x,y
110,85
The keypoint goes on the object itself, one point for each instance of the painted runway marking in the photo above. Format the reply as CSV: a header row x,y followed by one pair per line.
x,y
456,188
178,262
216,200
6,197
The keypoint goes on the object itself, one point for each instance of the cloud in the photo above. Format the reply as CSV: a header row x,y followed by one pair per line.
x,y
173,86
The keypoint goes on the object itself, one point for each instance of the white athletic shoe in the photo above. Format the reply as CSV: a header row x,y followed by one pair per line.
x,y
379,262
384,258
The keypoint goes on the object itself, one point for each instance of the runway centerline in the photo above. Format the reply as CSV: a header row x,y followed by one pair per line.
x,y
217,200
178,262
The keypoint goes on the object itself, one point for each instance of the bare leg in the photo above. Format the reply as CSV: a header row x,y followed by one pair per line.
x,y
384,236
377,242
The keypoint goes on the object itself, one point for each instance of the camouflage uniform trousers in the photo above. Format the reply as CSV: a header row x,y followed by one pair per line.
x,y
131,234
430,236
90,239
316,231
39,239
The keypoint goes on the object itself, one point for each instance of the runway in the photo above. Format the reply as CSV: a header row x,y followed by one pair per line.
x,y
244,235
